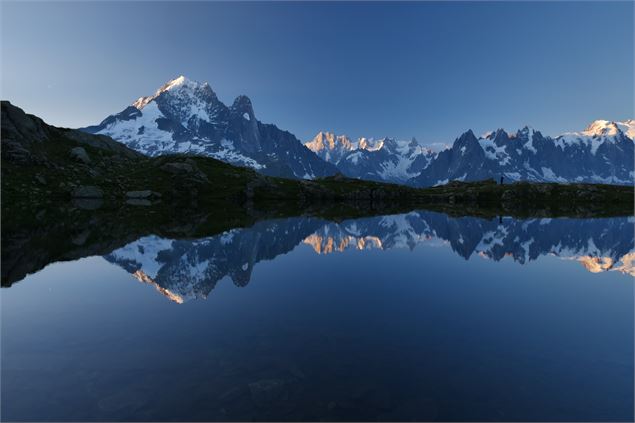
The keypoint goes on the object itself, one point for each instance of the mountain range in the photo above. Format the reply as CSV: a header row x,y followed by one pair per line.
x,y
602,153
185,116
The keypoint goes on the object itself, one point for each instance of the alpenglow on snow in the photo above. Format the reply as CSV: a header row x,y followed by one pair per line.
x,y
185,116
383,160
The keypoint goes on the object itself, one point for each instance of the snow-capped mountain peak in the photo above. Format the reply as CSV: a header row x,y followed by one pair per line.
x,y
601,128
186,116
180,82
610,128
598,133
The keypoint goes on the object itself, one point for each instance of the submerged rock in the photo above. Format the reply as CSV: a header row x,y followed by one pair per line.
x,y
142,194
87,191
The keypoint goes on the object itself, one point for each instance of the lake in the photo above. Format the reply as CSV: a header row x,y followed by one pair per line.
x,y
417,316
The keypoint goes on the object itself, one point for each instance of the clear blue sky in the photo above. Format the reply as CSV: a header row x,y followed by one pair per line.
x,y
430,70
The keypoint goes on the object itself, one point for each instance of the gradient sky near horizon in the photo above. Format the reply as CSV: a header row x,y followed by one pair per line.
x,y
423,69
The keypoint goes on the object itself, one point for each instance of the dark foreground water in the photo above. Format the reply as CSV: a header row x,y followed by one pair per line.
x,y
409,317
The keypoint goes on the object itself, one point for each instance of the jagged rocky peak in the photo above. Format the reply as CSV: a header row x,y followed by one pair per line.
x,y
242,106
330,147
502,134
324,140
498,135
527,134
245,132
469,134
524,132
466,137
329,140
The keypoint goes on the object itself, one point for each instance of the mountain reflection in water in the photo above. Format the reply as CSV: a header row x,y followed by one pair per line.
x,y
187,269
406,317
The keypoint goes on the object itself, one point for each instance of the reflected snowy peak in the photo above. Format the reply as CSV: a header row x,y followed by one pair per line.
x,y
187,269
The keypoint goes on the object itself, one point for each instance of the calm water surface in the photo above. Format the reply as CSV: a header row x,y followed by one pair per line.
x,y
417,316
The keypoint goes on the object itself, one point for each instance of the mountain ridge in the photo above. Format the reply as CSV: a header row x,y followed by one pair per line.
x,y
602,153
368,158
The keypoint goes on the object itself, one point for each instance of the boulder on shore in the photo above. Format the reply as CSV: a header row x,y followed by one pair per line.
x,y
80,154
